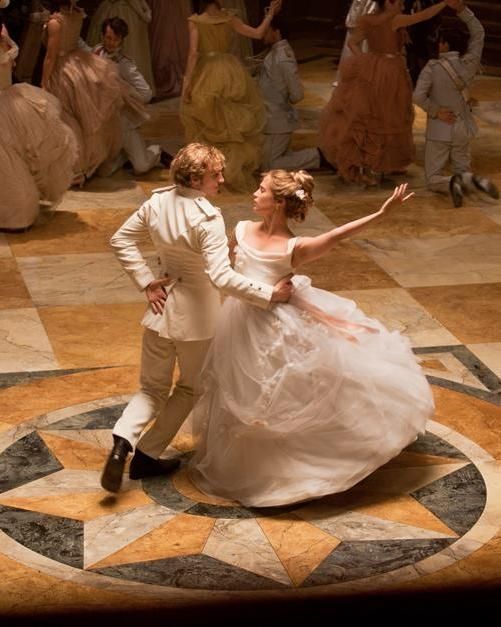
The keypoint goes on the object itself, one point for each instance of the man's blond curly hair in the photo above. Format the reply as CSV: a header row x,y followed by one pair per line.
x,y
193,161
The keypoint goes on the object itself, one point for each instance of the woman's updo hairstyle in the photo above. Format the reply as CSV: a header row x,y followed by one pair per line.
x,y
296,188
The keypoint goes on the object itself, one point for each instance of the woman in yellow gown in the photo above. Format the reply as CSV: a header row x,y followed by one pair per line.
x,y
221,103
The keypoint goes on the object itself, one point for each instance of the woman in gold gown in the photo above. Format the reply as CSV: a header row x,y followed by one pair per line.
x,y
221,104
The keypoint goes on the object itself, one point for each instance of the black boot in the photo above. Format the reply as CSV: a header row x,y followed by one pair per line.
x,y
456,190
142,466
111,479
485,185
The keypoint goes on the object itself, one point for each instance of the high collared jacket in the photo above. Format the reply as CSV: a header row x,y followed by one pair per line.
x,y
189,237
128,71
435,88
281,86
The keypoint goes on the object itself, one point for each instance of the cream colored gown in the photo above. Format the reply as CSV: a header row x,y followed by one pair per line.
x,y
37,150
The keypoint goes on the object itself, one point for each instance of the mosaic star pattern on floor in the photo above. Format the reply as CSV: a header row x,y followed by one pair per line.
x,y
69,354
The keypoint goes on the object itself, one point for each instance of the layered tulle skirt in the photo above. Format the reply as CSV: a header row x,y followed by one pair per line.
x,y
367,124
303,400
93,97
226,110
37,153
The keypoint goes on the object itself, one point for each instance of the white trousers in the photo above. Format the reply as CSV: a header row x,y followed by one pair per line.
x,y
154,400
135,149
277,154
438,155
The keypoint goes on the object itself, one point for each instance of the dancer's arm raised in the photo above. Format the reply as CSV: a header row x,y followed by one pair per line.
x,y
311,248
403,20
257,32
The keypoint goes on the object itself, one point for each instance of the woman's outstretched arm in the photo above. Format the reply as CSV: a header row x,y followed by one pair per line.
x,y
53,44
403,20
311,248
256,32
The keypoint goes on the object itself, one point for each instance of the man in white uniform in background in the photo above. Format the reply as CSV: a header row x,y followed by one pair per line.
x,y
282,88
441,90
142,157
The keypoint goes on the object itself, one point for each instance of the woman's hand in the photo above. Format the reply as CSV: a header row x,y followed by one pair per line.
x,y
398,197
275,7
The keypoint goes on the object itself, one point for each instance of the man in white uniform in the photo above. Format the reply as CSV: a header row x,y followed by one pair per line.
x,y
190,239
441,92
142,157
282,88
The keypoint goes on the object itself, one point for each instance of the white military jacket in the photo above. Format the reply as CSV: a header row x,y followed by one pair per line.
x,y
281,86
435,88
190,238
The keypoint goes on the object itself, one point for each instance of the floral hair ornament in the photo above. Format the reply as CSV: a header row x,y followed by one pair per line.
x,y
300,193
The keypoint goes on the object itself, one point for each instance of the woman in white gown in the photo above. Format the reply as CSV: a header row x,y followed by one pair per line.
x,y
307,398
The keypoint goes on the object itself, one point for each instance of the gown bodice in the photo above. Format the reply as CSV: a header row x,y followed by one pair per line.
x,y
265,266
380,36
71,25
215,34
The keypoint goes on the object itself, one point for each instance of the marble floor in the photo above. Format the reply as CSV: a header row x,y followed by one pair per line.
x,y
425,526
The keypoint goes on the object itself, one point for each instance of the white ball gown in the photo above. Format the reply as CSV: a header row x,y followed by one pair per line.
x,y
303,399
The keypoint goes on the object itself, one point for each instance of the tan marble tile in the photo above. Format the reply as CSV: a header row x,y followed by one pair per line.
x,y
399,311
493,213
75,455
24,344
80,279
107,535
347,268
406,510
5,250
470,312
489,354
63,232
356,526
117,192
476,419
183,484
94,439
27,591
243,543
182,535
95,335
446,366
13,291
455,260
22,402
65,482
80,506
300,546
426,216
407,459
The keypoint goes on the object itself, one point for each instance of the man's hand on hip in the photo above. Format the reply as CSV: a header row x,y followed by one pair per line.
x,y
156,294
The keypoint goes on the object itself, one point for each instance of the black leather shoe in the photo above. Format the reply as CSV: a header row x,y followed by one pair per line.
x,y
142,466
485,185
111,479
456,190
